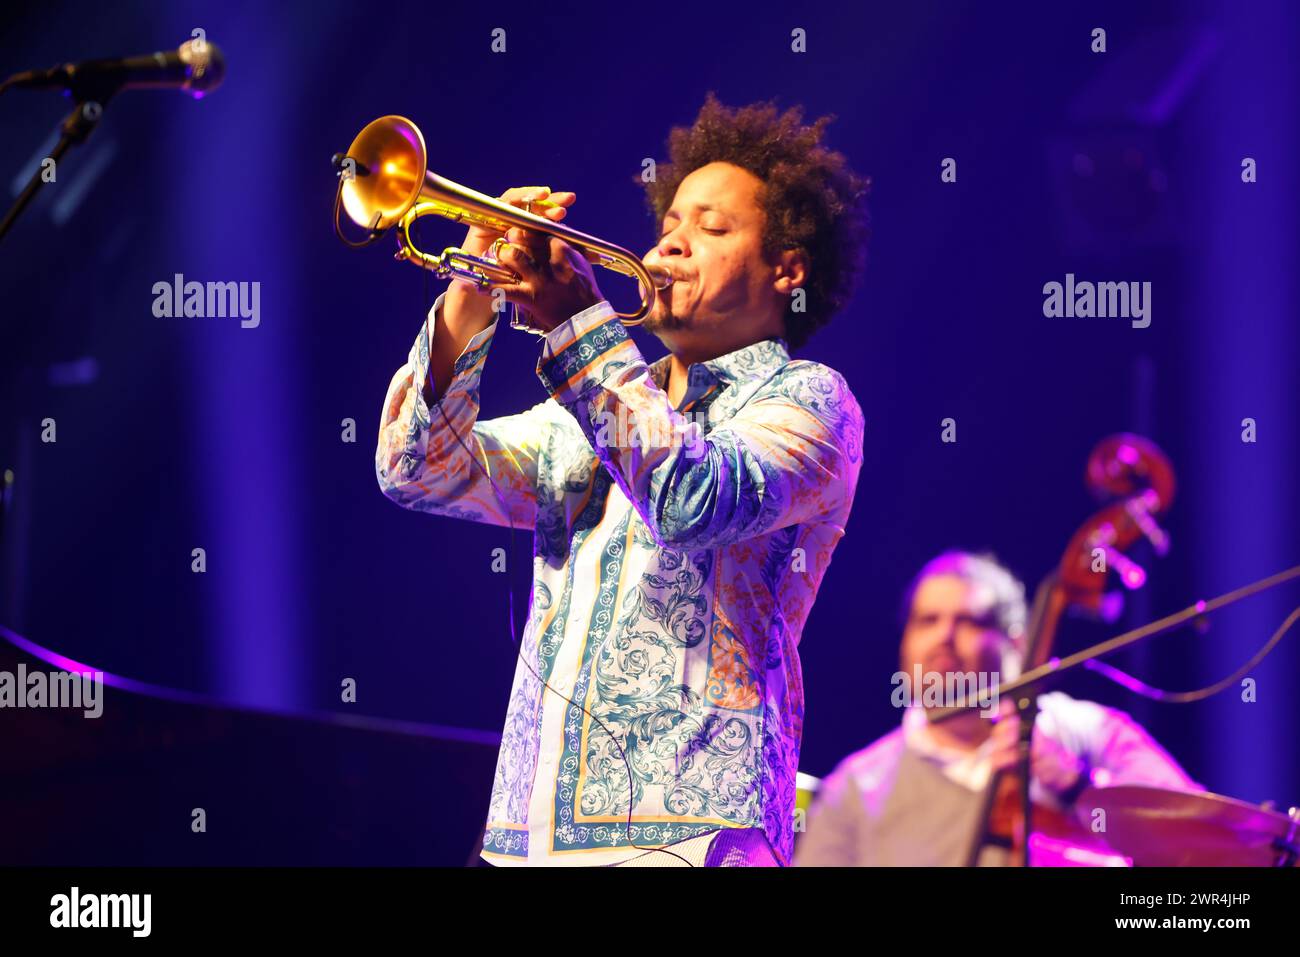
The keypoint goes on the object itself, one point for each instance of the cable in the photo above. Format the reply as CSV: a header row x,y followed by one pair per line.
x,y
375,232
514,638
1185,697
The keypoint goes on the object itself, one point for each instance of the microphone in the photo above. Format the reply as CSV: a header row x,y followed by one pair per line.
x,y
196,68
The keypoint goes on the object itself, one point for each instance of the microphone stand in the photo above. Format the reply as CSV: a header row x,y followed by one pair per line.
x,y
1032,683
78,125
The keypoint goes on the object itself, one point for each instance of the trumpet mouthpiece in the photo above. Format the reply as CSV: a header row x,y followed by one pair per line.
x,y
662,277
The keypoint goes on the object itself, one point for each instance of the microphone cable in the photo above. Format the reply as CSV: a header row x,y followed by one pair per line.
x,y
515,639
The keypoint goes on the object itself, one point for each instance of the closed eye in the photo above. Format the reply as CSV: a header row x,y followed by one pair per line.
x,y
713,232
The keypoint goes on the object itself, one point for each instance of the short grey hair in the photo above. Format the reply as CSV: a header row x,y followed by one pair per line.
x,y
979,569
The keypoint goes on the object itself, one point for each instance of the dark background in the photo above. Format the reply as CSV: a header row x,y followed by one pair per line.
x,y
183,433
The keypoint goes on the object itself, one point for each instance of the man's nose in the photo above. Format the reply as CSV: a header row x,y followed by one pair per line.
x,y
671,244
948,632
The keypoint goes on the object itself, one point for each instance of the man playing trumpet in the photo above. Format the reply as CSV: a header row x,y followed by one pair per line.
x,y
657,707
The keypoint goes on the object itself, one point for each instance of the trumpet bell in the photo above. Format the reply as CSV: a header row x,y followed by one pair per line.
x,y
391,162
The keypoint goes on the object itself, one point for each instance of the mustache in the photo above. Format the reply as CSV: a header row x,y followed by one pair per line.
x,y
677,274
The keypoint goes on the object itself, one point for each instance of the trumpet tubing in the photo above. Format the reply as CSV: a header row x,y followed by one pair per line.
x,y
385,182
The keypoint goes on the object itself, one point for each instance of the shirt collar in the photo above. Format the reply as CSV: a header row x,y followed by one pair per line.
x,y
968,768
754,361
917,734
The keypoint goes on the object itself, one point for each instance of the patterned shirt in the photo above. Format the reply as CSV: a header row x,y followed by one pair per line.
x,y
676,555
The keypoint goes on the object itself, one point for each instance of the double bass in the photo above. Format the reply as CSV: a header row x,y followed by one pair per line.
x,y
1135,479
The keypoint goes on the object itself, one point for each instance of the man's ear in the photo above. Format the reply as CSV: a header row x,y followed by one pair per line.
x,y
791,271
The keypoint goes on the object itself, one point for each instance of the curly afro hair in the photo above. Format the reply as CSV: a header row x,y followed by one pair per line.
x,y
813,200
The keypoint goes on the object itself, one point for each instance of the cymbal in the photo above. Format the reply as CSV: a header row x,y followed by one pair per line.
x,y
1157,827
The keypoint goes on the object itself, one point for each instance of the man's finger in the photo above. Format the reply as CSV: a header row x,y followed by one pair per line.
x,y
521,260
559,252
522,294
1001,760
517,257
535,199
525,236
534,243
520,194
1005,730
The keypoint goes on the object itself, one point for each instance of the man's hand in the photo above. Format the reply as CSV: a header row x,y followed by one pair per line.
x,y
468,309
479,238
1055,768
556,281
465,310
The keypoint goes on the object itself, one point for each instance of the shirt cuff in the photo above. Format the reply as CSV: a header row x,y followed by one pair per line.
x,y
580,352
473,353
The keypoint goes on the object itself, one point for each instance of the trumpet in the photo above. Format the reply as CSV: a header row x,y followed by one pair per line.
x,y
385,181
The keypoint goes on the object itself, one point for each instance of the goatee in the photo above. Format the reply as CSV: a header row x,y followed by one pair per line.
x,y
662,317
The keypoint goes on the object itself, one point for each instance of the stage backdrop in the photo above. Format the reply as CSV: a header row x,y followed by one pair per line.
x,y
178,434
